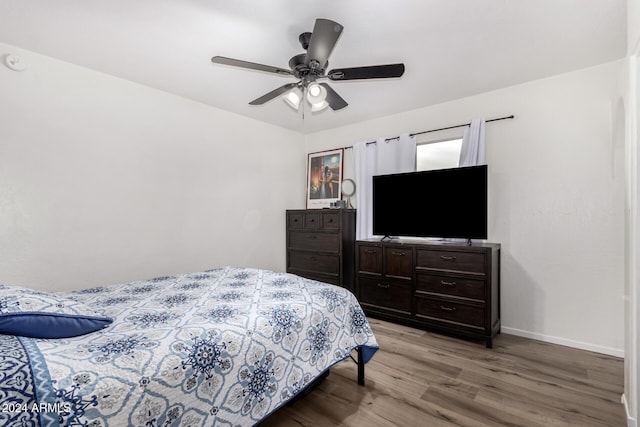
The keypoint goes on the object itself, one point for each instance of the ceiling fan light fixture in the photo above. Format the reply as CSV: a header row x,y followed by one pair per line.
x,y
293,98
319,106
316,95
314,90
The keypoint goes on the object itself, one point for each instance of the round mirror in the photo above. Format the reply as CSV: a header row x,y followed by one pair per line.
x,y
348,190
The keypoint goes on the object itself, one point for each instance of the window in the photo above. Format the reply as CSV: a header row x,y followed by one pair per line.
x,y
438,154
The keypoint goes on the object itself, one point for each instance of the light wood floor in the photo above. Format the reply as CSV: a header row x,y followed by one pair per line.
x,y
419,378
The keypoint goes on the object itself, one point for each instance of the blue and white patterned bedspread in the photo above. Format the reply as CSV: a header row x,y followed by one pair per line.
x,y
224,347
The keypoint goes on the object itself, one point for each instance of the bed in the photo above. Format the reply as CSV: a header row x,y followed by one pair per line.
x,y
223,347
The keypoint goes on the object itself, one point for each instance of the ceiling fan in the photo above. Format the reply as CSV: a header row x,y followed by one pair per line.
x,y
311,66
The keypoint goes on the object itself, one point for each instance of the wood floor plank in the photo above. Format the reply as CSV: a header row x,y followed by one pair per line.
x,y
420,378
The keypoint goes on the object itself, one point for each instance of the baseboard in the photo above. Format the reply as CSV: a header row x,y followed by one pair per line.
x,y
631,422
562,341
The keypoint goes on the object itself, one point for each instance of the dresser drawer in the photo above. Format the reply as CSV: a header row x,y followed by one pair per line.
x,y
312,221
320,277
330,221
383,294
309,261
451,285
399,262
370,259
295,220
314,241
470,262
434,309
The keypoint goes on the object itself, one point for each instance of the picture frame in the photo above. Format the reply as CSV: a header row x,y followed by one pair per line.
x,y
324,178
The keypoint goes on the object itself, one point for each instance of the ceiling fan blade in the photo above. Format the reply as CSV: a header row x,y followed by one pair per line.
x,y
372,72
250,65
334,100
274,93
323,39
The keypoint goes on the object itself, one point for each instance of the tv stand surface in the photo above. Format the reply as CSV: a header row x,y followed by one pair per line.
x,y
449,287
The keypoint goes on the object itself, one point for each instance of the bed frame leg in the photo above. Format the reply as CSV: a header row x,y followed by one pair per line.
x,y
360,363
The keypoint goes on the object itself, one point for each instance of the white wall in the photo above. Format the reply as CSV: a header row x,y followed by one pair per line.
x,y
632,278
556,204
633,26
105,181
632,242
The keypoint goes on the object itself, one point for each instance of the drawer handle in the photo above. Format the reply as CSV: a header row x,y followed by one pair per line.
x,y
447,308
398,253
312,258
313,220
384,285
447,258
445,283
370,251
331,220
295,220
313,236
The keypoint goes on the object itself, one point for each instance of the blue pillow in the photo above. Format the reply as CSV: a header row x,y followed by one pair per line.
x,y
36,314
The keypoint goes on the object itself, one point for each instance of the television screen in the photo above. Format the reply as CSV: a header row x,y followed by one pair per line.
x,y
445,203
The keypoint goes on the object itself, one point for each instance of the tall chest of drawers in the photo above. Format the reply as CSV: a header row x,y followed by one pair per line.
x,y
440,286
320,245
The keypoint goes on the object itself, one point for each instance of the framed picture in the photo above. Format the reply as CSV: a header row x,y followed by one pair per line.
x,y
324,178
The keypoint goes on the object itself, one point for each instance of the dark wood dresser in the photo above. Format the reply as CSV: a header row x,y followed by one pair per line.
x,y
445,287
320,245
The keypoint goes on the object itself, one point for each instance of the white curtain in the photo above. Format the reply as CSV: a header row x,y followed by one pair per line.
x,y
472,152
382,158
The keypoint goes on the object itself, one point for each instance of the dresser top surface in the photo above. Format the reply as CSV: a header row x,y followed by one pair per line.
x,y
322,210
434,244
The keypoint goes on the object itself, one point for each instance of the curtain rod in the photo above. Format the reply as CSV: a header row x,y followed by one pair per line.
x,y
436,130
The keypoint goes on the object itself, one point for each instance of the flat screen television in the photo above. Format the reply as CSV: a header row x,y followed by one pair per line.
x,y
443,203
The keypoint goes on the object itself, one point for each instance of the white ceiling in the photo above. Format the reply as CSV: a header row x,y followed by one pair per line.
x,y
451,48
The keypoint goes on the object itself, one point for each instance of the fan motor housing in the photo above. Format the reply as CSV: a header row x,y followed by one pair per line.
x,y
297,63
300,69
